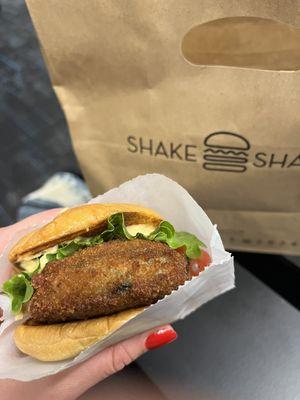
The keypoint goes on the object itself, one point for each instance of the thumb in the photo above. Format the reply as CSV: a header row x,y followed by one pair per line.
x,y
80,378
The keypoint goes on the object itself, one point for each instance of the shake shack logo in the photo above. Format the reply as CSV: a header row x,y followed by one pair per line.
x,y
220,152
226,151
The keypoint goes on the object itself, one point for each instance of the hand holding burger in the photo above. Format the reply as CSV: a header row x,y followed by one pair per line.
x,y
71,383
90,270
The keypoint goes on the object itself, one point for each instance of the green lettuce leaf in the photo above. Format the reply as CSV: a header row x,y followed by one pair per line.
x,y
191,242
19,289
163,232
50,257
116,229
166,233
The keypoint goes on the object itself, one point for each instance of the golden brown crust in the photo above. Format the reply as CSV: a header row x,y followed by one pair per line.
x,y
83,220
105,279
62,341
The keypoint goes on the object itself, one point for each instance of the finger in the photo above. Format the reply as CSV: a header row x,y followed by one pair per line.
x,y
78,379
8,232
36,218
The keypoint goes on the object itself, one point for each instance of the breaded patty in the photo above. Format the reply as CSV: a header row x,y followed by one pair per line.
x,y
105,279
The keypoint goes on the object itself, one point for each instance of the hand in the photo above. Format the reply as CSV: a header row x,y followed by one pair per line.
x,y
73,382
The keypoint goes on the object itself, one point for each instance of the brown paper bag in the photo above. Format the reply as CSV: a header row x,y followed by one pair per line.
x,y
204,92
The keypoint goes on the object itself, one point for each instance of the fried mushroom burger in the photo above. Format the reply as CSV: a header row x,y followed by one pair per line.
x,y
90,270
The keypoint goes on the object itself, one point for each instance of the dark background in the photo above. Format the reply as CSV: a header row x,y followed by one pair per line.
x,y
34,139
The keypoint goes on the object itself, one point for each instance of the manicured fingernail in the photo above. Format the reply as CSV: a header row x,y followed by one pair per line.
x,y
160,338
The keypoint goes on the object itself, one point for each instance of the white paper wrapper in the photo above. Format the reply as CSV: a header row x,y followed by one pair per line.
x,y
177,206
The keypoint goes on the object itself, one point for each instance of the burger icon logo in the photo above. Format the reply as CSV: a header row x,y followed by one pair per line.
x,y
226,151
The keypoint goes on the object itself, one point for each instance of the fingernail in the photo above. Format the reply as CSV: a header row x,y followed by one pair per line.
x,y
160,338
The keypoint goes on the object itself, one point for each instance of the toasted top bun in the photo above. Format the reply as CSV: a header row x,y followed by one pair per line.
x,y
61,341
85,220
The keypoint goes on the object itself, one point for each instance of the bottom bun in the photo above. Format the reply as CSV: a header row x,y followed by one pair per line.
x,y
65,340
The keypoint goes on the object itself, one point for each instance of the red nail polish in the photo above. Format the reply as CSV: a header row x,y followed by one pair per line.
x,y
159,338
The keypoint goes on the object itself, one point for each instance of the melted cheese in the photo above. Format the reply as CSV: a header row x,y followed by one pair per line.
x,y
145,229
30,263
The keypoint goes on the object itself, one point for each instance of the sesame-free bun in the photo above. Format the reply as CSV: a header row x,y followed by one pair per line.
x,y
58,342
85,220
